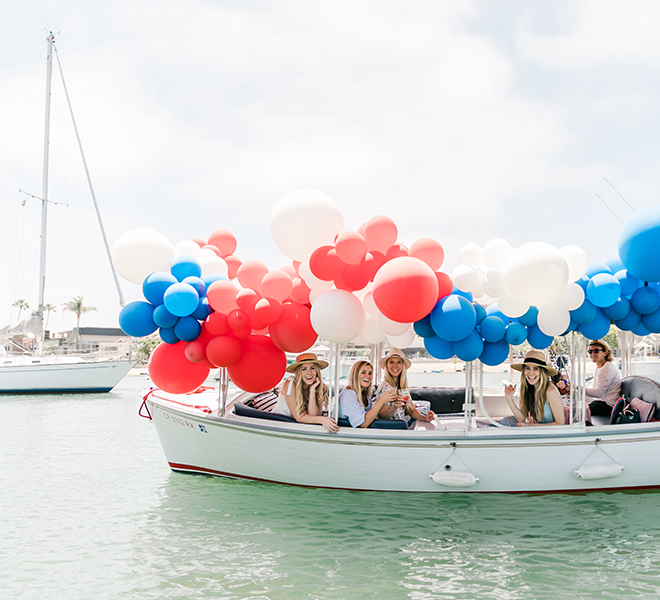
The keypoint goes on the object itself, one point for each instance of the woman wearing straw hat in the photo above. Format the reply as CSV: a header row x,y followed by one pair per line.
x,y
396,365
304,396
540,401
606,386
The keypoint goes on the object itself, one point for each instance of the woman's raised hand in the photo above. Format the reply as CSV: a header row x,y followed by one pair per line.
x,y
509,390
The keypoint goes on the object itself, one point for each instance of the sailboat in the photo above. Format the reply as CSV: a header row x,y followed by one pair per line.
x,y
23,370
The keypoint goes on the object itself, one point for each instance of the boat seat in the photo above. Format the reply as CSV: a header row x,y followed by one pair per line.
x,y
377,424
644,388
444,401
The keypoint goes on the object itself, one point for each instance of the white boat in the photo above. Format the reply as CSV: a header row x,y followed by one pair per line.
x,y
26,371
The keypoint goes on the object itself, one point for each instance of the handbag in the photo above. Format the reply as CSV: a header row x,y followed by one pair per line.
x,y
624,413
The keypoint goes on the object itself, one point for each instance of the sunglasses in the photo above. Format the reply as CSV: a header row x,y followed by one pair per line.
x,y
594,351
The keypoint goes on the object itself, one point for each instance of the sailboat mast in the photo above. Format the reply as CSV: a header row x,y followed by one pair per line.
x,y
44,185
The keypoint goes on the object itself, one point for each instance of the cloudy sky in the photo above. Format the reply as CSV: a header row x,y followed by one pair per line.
x,y
461,120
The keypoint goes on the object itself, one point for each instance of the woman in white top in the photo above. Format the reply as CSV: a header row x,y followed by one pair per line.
x,y
305,396
355,403
606,385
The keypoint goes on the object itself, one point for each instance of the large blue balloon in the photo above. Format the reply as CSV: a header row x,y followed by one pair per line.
x,y
516,334
439,348
187,329
652,322
645,300
164,318
628,283
585,313
529,318
423,327
155,286
492,329
494,353
596,329
603,290
181,299
453,318
639,240
537,339
136,319
618,310
470,347
185,266
630,321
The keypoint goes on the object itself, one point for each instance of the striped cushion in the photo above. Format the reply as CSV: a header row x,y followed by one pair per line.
x,y
265,401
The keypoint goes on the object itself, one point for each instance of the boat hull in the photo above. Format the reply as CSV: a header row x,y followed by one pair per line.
x,y
485,460
58,378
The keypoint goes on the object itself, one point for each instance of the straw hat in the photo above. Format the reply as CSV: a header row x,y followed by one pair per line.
x,y
602,344
535,357
306,357
392,353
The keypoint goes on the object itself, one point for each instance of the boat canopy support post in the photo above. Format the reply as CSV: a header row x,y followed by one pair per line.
x,y
223,388
376,352
335,365
469,405
626,352
578,373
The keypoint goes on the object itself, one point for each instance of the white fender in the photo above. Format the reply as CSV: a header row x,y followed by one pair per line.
x,y
454,478
598,471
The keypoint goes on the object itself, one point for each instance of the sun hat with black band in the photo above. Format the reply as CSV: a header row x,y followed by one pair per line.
x,y
391,354
537,358
306,357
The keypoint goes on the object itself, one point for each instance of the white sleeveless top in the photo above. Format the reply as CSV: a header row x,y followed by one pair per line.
x,y
282,407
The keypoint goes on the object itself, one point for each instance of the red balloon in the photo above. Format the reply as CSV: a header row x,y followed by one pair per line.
x,y
371,262
195,351
268,310
216,323
428,250
350,246
206,335
405,289
276,284
247,298
396,251
325,264
212,248
300,291
223,351
261,366
221,295
237,319
251,273
256,324
233,264
380,233
172,372
201,243
351,279
224,241
445,284
293,331
241,334
290,270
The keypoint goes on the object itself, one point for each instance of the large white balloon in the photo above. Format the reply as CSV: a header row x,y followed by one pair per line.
x,y
304,220
188,248
496,253
404,340
572,297
511,306
337,316
553,320
577,261
494,284
140,252
466,278
536,273
470,255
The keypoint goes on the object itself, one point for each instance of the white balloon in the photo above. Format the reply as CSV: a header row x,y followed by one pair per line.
x,y
337,316
370,305
392,327
553,320
494,284
188,248
205,253
536,273
512,307
470,255
139,252
466,278
314,294
372,332
577,261
496,253
402,341
572,297
304,220
313,282
214,264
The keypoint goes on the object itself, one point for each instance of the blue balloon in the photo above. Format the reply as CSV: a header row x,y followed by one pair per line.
x,y
155,286
203,310
481,312
187,329
529,318
537,339
167,335
583,282
423,327
639,240
645,300
595,268
494,353
603,290
652,322
630,321
614,263
628,283
596,329
136,319
181,299
164,318
572,326
466,295
516,334
453,318
470,347
492,329
439,348
586,313
494,311
197,283
185,266
618,310
641,330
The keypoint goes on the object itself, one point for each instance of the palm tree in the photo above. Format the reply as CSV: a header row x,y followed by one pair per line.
x,y
76,305
21,304
48,308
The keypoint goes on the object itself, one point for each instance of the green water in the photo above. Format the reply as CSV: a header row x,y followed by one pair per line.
x,y
90,510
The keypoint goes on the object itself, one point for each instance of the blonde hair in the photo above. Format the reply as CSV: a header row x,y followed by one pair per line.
x,y
533,399
401,381
301,391
354,381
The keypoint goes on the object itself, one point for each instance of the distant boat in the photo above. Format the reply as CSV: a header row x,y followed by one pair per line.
x,y
23,370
